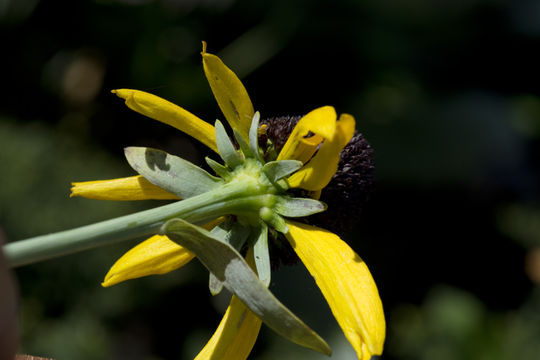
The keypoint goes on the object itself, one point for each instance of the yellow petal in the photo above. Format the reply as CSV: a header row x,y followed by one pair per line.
x,y
322,122
237,331
318,172
230,93
346,283
129,188
169,113
156,255
235,336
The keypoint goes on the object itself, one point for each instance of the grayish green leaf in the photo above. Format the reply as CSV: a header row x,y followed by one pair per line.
x,y
242,143
254,135
276,170
231,268
219,169
273,219
214,284
234,235
170,172
261,254
237,236
220,232
298,207
226,148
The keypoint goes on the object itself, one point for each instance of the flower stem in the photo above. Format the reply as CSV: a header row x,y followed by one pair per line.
x,y
231,198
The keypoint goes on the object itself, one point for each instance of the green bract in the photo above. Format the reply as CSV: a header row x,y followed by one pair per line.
x,y
260,205
229,267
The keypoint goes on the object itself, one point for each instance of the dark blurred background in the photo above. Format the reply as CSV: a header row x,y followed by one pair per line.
x,y
445,91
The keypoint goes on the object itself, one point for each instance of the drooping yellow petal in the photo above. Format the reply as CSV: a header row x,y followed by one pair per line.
x,y
346,283
322,122
318,172
162,110
235,336
128,188
230,93
156,255
237,331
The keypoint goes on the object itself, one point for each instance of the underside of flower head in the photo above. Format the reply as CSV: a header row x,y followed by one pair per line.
x,y
250,193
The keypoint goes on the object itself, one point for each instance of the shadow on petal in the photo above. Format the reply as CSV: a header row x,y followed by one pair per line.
x,y
235,336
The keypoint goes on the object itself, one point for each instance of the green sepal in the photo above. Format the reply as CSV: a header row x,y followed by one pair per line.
x,y
254,136
243,144
298,207
273,219
219,169
234,235
170,172
226,149
231,268
276,170
261,254
214,284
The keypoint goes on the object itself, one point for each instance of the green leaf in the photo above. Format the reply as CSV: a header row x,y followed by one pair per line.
x,y
276,170
234,235
261,254
214,284
231,268
270,217
219,169
170,172
254,136
243,145
226,148
298,207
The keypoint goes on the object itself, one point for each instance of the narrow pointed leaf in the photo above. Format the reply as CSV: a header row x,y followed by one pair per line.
x,y
254,135
298,207
214,285
276,170
231,268
226,148
220,232
261,255
270,217
234,235
243,144
170,172
237,236
219,169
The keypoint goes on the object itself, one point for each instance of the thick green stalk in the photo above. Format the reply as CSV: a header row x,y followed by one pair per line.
x,y
231,198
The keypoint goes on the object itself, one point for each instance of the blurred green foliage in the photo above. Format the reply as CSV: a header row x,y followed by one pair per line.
x,y
454,324
446,92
